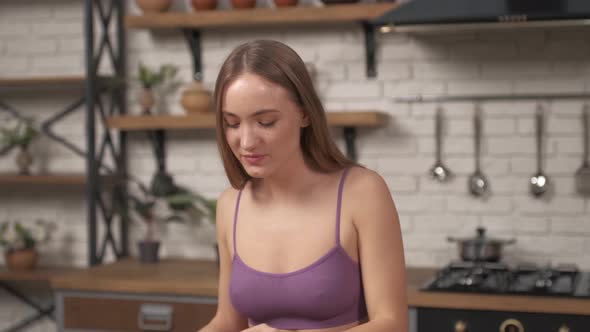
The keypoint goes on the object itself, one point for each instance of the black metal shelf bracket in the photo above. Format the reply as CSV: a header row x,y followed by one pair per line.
x,y
349,139
370,46
40,311
193,39
110,17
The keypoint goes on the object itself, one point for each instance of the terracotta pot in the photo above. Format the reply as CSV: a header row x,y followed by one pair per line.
x,y
146,100
204,4
243,4
21,260
286,3
153,6
195,99
24,160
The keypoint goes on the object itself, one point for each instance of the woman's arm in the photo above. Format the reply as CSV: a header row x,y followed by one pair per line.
x,y
226,319
381,253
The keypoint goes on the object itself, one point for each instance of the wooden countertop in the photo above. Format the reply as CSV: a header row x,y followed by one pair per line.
x,y
171,276
199,278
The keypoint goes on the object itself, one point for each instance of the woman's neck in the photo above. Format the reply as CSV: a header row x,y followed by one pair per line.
x,y
291,182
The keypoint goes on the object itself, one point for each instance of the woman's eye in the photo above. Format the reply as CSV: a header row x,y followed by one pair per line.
x,y
267,123
232,125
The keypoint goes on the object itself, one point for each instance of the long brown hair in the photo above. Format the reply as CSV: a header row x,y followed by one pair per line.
x,y
280,64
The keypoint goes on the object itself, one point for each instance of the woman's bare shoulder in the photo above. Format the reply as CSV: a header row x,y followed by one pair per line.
x,y
364,181
368,192
226,205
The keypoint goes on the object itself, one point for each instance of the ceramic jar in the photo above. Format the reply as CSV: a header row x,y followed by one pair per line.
x,y
195,99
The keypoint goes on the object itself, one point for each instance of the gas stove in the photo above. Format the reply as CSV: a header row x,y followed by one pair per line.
x,y
499,278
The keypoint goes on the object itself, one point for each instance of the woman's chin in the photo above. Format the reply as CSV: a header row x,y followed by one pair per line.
x,y
256,171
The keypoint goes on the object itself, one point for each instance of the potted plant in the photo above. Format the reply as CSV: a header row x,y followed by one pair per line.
x,y
20,242
150,78
19,133
153,6
151,206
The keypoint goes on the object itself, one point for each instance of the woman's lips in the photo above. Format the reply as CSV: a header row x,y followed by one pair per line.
x,y
253,159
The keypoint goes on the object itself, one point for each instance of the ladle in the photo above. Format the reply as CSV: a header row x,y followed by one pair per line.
x,y
478,183
439,171
539,182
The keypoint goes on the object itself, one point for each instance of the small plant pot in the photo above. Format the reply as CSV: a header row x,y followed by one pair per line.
x,y
21,260
204,4
286,3
149,251
24,160
243,4
153,6
147,100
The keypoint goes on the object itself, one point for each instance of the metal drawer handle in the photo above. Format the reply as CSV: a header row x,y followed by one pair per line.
x,y
155,317
460,326
511,325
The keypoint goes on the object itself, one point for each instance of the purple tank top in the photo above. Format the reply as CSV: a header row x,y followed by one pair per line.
x,y
324,294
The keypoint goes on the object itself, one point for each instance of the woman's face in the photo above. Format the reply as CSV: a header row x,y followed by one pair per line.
x,y
262,124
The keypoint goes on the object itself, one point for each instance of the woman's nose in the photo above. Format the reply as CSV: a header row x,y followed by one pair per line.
x,y
248,137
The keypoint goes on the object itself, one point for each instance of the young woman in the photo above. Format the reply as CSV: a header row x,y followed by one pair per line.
x,y
308,240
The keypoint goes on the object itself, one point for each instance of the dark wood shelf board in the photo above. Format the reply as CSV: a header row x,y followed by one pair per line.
x,y
37,274
259,16
52,81
49,179
207,121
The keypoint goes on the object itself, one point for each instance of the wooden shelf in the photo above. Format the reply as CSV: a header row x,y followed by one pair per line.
x,y
38,274
46,179
207,121
259,16
51,81
48,80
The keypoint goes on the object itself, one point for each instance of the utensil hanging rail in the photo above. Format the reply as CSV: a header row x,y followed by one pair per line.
x,y
488,97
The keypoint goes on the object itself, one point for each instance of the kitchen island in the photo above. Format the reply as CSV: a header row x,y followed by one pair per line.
x,y
182,294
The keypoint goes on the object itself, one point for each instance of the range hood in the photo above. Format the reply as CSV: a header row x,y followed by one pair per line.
x,y
464,14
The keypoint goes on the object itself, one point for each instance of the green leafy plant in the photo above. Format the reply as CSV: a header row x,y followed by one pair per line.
x,y
150,78
16,236
18,132
182,205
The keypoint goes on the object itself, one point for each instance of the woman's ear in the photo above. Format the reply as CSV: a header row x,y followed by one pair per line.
x,y
304,120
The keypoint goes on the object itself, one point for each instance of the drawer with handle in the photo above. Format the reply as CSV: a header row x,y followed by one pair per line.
x,y
119,313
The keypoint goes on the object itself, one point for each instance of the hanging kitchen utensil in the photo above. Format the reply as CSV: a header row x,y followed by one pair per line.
x,y
439,171
583,173
477,182
539,182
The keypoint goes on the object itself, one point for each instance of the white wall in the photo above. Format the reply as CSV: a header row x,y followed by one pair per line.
x,y
45,38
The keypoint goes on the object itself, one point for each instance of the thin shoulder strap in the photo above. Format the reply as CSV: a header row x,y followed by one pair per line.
x,y
339,204
236,218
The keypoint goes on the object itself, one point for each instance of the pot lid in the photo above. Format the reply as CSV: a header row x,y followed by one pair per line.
x,y
481,238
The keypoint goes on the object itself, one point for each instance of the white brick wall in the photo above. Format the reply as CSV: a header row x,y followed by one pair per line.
x,y
46,38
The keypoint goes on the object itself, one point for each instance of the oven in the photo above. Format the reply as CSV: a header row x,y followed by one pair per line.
x,y
454,320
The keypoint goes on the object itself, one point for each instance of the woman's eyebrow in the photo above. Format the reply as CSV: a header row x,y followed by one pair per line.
x,y
263,111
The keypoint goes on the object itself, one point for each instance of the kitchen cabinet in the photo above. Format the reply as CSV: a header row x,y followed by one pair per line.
x,y
101,311
172,295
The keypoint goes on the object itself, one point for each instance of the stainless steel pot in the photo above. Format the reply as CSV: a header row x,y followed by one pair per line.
x,y
480,248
